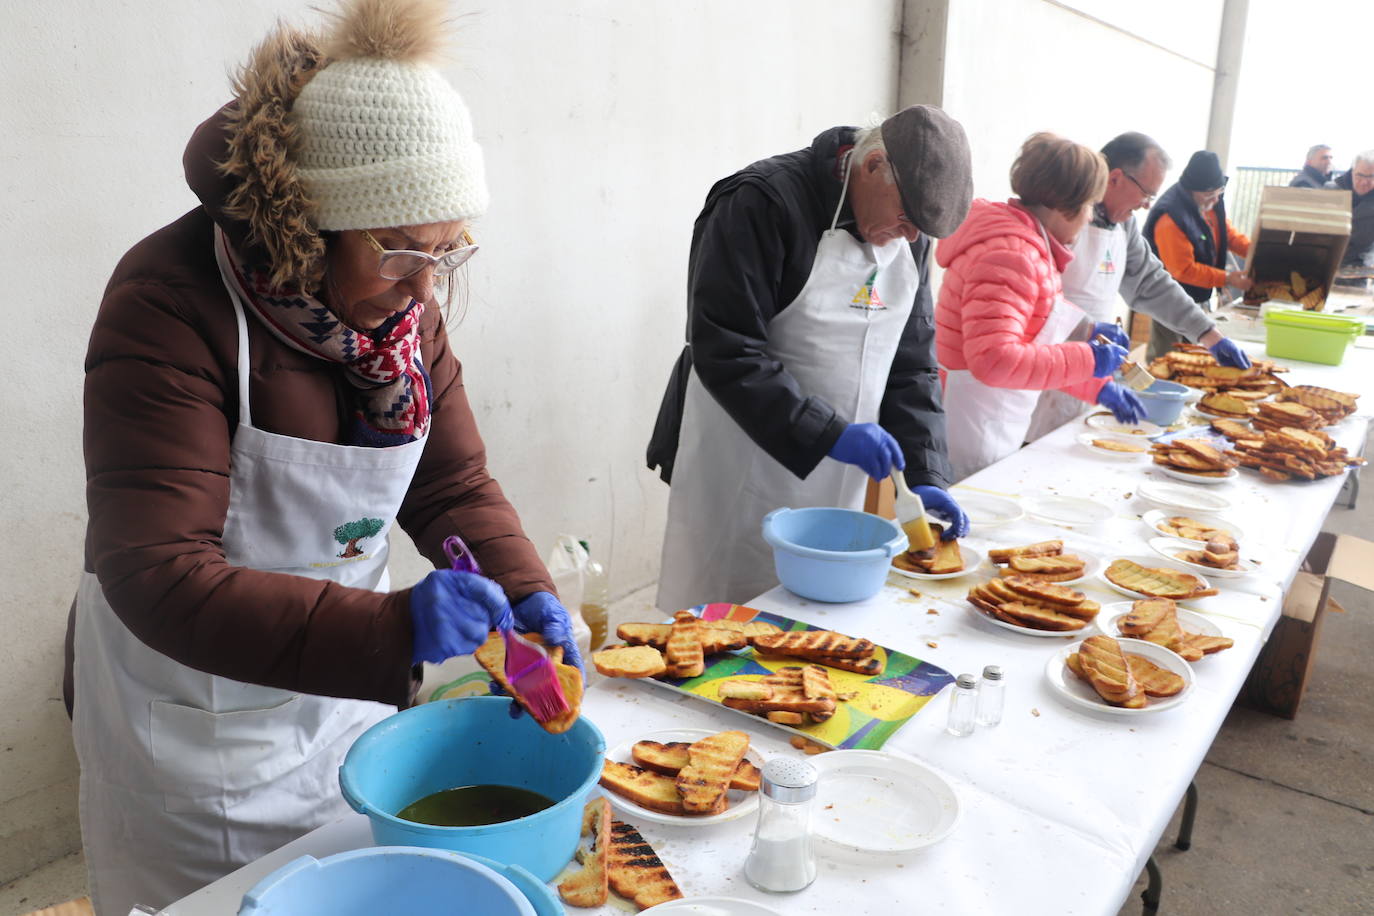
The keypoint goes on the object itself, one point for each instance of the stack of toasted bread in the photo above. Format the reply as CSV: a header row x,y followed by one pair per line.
x,y
1195,367
1194,456
943,558
1027,602
792,695
1334,406
491,655
616,857
1190,529
1288,452
1156,620
1156,582
1120,678
1225,404
677,649
1275,415
1045,561
698,786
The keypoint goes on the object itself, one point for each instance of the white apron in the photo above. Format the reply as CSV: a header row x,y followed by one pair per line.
x,y
837,339
1092,281
986,424
185,775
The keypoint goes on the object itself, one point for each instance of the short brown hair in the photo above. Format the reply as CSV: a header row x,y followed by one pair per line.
x,y
1053,172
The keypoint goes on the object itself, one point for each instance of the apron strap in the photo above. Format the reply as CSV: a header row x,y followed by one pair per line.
x,y
226,273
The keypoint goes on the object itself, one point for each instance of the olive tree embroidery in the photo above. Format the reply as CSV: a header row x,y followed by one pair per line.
x,y
350,533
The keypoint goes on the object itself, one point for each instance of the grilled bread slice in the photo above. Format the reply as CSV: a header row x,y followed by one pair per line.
x,y
590,886
1157,582
711,763
1227,406
643,787
807,643
629,661
783,700
491,655
635,871
1045,592
1007,571
670,757
1048,565
1203,451
1145,615
747,628
684,651
785,718
870,665
740,689
1206,644
1040,617
715,638
815,682
1154,680
1003,555
1101,661
1232,429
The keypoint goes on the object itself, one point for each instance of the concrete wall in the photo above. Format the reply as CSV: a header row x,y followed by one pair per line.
x,y
604,123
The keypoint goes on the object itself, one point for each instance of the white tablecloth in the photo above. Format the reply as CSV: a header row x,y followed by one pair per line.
x,y
1061,806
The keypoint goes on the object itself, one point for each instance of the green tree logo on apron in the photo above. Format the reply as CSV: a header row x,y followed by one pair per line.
x,y
350,533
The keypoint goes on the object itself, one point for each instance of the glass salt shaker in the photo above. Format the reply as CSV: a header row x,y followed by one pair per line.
x,y
781,860
991,694
963,706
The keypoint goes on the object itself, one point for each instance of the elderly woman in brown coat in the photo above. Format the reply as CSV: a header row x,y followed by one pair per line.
x,y
269,386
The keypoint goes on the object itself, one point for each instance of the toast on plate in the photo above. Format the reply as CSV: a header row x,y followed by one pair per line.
x,y
1003,555
643,787
670,757
684,654
711,764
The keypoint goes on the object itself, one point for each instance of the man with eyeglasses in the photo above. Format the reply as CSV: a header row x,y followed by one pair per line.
x,y
1113,261
1359,181
1188,230
810,364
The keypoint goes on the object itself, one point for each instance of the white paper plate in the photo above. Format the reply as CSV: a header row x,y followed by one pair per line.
x,y
1152,562
1186,498
972,560
987,511
1067,511
712,906
1191,621
1176,474
1079,692
1026,631
1086,440
1108,424
1169,548
1155,517
875,803
741,803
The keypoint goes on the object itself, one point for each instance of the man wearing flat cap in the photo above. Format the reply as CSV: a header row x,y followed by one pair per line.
x,y
809,366
1188,230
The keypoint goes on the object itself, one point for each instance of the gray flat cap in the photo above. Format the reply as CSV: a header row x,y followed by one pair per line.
x,y
929,154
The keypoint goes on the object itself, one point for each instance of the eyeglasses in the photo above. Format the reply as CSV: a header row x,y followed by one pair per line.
x,y
1149,198
397,264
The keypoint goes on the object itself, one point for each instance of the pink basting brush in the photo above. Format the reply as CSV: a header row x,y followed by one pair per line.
x,y
529,672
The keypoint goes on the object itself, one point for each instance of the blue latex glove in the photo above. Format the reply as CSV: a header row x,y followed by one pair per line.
x,y
452,613
942,505
1229,354
870,447
1122,402
1112,331
541,612
1106,358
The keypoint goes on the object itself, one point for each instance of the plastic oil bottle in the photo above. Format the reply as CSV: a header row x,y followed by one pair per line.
x,y
911,515
596,599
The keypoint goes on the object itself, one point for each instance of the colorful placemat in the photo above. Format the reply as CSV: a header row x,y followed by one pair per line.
x,y
882,703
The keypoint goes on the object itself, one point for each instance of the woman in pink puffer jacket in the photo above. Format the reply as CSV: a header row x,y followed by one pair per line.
x,y
1003,331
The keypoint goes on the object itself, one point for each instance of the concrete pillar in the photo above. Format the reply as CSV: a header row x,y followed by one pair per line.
x,y
921,56
1230,47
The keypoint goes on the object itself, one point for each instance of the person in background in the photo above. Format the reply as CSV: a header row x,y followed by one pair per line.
x,y
1188,231
1316,172
1111,259
1359,181
269,387
809,367
1002,324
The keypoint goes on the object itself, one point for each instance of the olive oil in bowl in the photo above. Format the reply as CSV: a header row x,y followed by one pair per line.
x,y
474,806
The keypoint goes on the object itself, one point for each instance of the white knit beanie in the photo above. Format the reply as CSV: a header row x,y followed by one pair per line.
x,y
385,140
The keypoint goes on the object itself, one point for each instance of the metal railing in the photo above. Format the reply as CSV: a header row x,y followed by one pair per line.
x,y
1243,194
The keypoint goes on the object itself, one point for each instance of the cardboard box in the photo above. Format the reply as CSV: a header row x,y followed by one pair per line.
x,y
1280,673
1300,230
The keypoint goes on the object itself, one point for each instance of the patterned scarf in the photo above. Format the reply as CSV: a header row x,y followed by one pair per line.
x,y
393,390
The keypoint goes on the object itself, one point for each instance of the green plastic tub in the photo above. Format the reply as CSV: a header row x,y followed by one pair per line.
x,y
1310,336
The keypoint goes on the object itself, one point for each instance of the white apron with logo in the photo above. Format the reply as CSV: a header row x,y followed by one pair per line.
x,y
185,775
986,424
837,339
1092,281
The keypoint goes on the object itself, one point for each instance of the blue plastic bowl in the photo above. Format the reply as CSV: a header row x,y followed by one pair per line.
x,y
474,741
832,554
398,879
1164,401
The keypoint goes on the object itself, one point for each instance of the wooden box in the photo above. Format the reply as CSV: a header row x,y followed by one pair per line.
x,y
1300,230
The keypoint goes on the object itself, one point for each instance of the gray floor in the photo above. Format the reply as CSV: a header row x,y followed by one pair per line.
x,y
1285,823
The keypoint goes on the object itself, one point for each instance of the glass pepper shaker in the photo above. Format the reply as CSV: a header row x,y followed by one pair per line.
x,y
991,694
963,706
781,860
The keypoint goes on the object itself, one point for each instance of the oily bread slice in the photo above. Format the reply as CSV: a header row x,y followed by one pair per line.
x,y
1042,549
590,886
711,763
1045,592
491,655
629,661
1048,565
684,651
807,643
1145,615
635,870
1101,661
815,682
1205,452
740,689
1154,680
1156,582
784,699
715,638
870,665
1040,617
1206,645
643,787
670,757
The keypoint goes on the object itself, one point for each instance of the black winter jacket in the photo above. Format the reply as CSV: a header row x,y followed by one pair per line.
x,y
1359,251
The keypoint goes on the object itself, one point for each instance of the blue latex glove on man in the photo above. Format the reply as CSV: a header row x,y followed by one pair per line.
x,y
1122,402
452,612
870,447
1106,358
942,506
1228,353
1112,332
